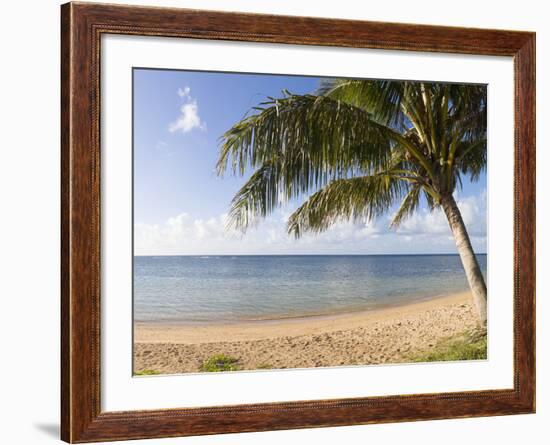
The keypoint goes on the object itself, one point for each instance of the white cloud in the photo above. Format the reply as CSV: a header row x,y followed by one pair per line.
x,y
189,118
184,92
472,208
423,233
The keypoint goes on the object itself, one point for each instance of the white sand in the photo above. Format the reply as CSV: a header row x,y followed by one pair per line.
x,y
389,335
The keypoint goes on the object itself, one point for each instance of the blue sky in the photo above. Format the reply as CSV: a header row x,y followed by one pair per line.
x,y
180,204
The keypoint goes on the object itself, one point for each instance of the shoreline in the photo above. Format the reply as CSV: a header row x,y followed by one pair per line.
x,y
390,335
250,330
398,302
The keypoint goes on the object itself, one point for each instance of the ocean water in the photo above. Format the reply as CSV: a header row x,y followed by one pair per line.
x,y
214,289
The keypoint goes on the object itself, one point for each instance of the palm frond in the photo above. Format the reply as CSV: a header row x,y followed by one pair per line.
x,y
315,135
381,98
472,159
256,198
360,198
408,206
359,146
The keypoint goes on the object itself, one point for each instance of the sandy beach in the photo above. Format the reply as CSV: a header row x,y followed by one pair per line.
x,y
386,335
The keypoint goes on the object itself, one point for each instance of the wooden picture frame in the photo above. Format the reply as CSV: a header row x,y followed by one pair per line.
x,y
82,25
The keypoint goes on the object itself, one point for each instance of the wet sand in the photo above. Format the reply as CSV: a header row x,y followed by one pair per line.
x,y
386,335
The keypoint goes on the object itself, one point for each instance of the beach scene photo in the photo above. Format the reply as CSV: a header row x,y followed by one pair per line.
x,y
294,222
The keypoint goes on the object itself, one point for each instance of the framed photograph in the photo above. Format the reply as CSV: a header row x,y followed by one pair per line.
x,y
275,222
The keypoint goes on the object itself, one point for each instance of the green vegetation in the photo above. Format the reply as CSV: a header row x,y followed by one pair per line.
x,y
354,150
468,346
220,363
147,372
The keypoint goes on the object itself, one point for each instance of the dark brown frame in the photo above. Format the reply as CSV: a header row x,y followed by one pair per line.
x,y
82,25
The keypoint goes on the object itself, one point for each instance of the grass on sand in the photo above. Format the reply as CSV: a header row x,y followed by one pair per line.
x,y
466,346
470,345
219,363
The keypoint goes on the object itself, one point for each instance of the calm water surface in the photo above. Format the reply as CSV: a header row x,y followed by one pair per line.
x,y
213,289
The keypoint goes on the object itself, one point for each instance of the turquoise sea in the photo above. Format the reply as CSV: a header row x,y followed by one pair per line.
x,y
214,289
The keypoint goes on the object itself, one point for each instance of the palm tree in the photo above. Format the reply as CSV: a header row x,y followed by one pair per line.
x,y
355,149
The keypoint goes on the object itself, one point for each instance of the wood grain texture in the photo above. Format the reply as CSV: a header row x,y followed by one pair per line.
x,y
82,26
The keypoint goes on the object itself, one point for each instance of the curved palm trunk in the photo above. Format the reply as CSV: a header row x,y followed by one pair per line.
x,y
469,260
